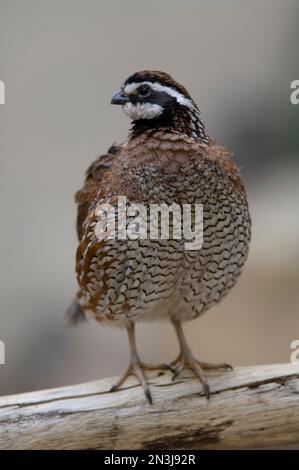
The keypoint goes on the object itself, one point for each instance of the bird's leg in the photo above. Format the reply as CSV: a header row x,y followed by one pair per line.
x,y
135,367
186,359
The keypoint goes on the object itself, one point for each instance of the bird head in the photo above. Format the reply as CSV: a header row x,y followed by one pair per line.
x,y
155,99
149,94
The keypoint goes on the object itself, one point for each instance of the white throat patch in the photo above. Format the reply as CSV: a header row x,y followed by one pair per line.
x,y
142,110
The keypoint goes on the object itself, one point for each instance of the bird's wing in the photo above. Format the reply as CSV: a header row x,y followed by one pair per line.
x,y
84,198
94,175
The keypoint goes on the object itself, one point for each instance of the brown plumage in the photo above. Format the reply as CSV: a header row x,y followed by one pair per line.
x,y
168,158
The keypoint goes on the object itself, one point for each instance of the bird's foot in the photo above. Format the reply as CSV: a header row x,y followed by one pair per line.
x,y
137,369
187,360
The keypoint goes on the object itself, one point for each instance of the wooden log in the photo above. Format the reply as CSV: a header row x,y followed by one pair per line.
x,y
249,407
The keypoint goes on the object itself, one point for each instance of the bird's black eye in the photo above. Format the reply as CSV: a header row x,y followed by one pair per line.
x,y
144,91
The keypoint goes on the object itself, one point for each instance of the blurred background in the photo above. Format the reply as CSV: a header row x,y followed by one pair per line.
x,y
61,61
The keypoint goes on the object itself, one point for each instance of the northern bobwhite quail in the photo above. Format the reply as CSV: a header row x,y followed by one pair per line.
x,y
168,158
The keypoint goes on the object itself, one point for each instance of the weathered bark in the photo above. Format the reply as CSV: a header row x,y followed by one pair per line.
x,y
249,407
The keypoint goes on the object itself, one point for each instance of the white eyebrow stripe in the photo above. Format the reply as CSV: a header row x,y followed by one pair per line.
x,y
132,87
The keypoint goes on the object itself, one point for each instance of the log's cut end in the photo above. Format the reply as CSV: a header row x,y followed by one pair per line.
x,y
255,406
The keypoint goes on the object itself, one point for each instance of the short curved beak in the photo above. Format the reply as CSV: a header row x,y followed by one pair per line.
x,y
119,98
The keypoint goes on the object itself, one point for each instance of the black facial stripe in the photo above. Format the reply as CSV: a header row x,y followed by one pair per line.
x,y
156,97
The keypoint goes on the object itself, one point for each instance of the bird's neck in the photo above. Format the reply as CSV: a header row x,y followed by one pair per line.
x,y
181,120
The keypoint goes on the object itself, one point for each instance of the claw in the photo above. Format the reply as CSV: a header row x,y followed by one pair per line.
x,y
148,395
178,370
206,390
169,367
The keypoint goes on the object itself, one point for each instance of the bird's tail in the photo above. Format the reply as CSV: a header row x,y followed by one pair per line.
x,y
74,314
